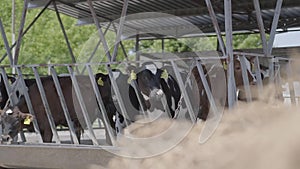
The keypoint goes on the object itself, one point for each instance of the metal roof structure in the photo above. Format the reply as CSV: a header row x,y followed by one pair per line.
x,y
192,11
160,18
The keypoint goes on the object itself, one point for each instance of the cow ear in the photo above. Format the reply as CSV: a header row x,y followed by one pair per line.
x,y
132,76
164,74
28,118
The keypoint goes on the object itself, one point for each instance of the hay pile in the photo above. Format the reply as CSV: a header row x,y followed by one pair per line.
x,y
256,135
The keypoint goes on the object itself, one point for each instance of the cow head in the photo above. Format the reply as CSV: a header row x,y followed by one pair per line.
x,y
149,84
238,74
11,121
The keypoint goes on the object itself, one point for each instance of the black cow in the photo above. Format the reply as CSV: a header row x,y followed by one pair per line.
x,y
21,110
3,93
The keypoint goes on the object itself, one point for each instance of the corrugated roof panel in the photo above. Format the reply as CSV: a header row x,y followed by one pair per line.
x,y
194,11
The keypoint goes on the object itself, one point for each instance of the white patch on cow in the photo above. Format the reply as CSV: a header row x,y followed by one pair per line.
x,y
9,112
119,126
202,92
173,103
116,74
152,68
237,92
160,92
248,66
145,96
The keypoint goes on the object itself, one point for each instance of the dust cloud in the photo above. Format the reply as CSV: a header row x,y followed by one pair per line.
x,y
261,134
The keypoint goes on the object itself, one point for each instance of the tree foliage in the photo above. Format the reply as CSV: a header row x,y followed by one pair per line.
x,y
45,43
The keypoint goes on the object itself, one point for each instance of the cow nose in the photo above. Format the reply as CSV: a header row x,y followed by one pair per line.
x,y
159,92
156,93
5,138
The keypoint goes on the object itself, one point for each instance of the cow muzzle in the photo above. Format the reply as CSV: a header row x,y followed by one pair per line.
x,y
156,93
6,139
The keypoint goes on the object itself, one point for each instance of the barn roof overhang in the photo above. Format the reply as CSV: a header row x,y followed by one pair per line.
x,y
193,11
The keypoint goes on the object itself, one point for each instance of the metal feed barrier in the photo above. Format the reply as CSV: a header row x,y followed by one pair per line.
x,y
11,89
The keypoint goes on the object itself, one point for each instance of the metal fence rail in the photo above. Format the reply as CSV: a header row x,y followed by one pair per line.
x,y
115,88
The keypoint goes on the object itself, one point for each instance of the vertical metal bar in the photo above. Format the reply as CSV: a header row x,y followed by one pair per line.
x,y
274,26
162,45
13,98
207,90
291,83
137,47
29,104
118,94
6,45
95,49
101,105
271,70
185,94
229,52
258,75
120,29
261,26
13,30
28,27
46,105
124,51
64,33
102,37
64,105
245,78
216,26
82,106
24,12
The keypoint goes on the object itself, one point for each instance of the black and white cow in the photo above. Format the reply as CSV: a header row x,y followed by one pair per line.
x,y
156,89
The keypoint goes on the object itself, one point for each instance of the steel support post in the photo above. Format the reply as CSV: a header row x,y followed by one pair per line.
x,y
28,27
229,53
46,105
216,26
102,37
95,49
64,33
64,105
121,44
120,29
261,26
22,24
274,26
6,45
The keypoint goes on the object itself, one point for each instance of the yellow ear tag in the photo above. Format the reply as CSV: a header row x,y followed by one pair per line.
x,y
225,65
131,77
27,120
100,82
164,74
252,67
